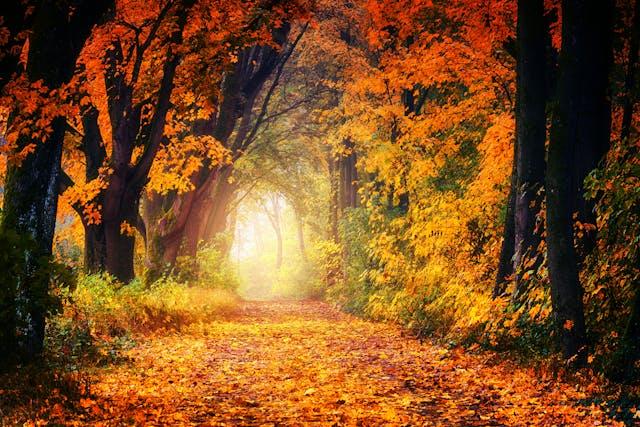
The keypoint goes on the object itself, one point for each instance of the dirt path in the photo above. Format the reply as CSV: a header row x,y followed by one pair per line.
x,y
301,363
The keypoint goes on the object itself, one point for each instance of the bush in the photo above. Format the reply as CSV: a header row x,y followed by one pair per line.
x,y
101,315
215,270
30,289
211,269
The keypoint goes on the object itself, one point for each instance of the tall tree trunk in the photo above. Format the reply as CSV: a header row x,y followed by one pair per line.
x,y
531,100
31,191
95,246
168,217
505,262
623,365
124,188
629,352
631,75
193,230
119,216
334,203
277,225
348,178
580,134
301,244
95,249
278,247
232,226
217,222
594,126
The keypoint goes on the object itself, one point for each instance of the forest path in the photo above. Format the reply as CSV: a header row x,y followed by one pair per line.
x,y
301,363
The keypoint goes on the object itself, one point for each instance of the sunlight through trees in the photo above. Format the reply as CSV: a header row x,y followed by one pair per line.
x,y
465,170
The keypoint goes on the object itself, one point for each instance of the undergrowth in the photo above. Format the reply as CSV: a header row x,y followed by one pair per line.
x,y
100,319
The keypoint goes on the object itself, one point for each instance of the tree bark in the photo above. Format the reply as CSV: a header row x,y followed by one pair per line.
x,y
623,365
334,201
631,75
579,136
505,263
95,248
629,352
301,243
216,222
348,178
124,189
31,191
594,127
531,101
240,88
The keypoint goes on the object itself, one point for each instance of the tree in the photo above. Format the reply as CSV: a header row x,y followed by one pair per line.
x,y
241,86
31,190
579,137
531,120
507,248
249,85
631,75
129,130
272,210
136,123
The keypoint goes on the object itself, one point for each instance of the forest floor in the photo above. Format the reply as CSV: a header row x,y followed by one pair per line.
x,y
301,363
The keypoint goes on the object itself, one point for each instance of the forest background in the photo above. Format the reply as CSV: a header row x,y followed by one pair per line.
x,y
467,169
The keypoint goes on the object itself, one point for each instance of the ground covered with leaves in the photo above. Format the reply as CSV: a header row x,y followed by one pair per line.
x,y
299,363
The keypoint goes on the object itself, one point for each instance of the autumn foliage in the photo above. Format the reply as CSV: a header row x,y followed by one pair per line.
x,y
465,171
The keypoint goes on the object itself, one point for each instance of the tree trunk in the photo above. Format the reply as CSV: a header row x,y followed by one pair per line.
x,y
277,226
278,247
348,178
95,248
167,217
120,209
631,75
531,133
30,207
629,352
505,263
31,191
193,229
580,132
232,226
594,126
301,244
217,222
623,365
334,203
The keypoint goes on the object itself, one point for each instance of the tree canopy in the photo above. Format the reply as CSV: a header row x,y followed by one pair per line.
x,y
466,169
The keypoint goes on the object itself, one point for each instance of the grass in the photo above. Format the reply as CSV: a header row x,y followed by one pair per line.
x,y
100,319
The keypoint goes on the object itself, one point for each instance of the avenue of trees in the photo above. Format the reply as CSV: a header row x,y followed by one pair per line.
x,y
466,168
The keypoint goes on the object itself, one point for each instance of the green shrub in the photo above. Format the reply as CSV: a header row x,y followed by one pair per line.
x,y
101,315
31,286
211,269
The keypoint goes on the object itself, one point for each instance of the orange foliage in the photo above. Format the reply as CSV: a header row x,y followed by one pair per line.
x,y
305,363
